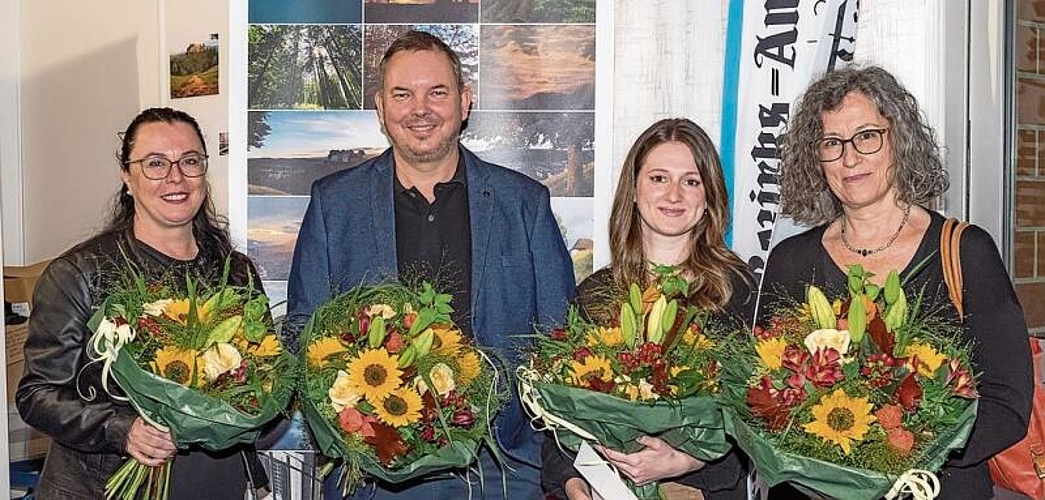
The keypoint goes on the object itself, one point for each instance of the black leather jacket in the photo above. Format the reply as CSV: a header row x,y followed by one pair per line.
x,y
60,392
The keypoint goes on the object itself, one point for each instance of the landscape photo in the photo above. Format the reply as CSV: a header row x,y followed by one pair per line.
x,y
194,71
576,220
304,66
289,150
538,11
425,11
555,148
549,67
272,230
463,39
304,11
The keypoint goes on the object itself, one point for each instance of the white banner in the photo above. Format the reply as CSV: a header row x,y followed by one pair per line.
x,y
773,50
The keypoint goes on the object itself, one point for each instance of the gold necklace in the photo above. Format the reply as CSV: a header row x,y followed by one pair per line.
x,y
864,252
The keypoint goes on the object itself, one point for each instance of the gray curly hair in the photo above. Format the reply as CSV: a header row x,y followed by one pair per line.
x,y
918,173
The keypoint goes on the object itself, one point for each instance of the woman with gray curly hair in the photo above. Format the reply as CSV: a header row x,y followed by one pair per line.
x,y
859,163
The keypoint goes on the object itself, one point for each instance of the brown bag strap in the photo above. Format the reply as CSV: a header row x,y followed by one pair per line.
x,y
950,257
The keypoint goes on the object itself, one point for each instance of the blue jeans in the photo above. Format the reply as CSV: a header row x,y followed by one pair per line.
x,y
520,482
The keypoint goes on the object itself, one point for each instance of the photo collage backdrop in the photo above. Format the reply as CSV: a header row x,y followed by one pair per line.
x,y
312,75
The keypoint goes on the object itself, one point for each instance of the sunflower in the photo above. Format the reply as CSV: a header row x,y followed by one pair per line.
x,y
840,419
175,364
609,337
400,407
468,366
771,352
318,352
596,366
929,359
374,374
447,341
269,346
178,310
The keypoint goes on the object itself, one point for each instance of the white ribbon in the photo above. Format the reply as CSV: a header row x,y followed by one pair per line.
x,y
530,398
106,344
920,484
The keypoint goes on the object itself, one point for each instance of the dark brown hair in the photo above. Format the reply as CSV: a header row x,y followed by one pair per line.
x,y
209,228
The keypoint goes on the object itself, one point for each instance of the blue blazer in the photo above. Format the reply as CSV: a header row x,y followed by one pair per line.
x,y
522,274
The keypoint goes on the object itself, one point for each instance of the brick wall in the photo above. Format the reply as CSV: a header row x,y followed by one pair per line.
x,y
1028,270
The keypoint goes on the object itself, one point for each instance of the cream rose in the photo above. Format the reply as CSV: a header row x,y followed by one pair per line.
x,y
219,359
828,337
384,310
442,377
341,393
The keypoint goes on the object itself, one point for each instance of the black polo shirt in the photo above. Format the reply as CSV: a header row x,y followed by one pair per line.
x,y
434,240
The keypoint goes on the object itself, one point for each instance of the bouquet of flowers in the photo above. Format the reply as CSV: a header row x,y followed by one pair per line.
x,y
649,369
200,361
860,398
392,386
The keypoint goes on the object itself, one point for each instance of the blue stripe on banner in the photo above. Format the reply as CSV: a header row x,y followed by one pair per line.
x,y
730,86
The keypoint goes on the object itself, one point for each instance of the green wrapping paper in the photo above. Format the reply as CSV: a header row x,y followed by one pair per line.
x,y
192,417
692,425
831,480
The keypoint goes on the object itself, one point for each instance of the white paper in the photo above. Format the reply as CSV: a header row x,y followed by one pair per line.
x,y
604,482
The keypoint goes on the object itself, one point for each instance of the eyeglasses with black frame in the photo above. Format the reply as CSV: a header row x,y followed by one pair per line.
x,y
866,142
159,167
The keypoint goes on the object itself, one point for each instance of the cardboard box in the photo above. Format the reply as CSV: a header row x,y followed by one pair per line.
x,y
19,282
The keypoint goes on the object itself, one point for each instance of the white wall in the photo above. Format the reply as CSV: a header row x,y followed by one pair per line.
x,y
82,70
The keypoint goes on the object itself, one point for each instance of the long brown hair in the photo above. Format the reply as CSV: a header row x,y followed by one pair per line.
x,y
711,264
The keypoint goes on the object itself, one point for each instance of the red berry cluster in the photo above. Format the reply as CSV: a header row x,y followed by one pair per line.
x,y
147,324
879,368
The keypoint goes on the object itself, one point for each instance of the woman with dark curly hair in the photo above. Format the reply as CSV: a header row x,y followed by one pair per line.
x,y
860,164
671,207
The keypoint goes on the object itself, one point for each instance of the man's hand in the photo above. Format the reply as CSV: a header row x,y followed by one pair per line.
x,y
655,462
149,445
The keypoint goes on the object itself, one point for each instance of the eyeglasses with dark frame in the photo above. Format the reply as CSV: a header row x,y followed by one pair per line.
x,y
865,142
159,167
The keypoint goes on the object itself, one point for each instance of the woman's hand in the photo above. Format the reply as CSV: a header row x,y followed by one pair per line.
x,y
149,445
657,461
577,489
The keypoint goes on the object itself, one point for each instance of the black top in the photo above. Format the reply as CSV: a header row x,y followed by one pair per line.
x,y
434,240
722,479
993,323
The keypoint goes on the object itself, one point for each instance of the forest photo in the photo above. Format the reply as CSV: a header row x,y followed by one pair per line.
x,y
554,148
428,11
463,39
538,67
304,67
538,11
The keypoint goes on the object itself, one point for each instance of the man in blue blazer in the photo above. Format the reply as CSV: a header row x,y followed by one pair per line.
x,y
429,205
